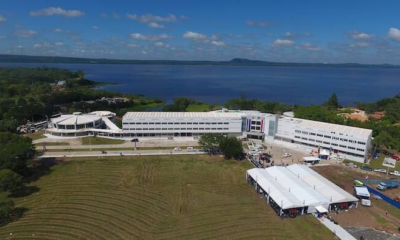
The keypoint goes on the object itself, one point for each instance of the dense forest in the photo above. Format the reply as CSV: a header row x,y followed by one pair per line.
x,y
32,94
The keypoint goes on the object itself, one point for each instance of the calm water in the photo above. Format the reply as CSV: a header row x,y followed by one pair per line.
x,y
217,84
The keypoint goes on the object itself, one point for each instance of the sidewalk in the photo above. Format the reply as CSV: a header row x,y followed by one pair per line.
x,y
336,229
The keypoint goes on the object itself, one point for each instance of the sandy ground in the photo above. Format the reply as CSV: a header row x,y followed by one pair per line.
x,y
374,217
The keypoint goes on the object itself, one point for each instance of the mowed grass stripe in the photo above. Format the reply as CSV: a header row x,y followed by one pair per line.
x,y
92,222
151,197
78,232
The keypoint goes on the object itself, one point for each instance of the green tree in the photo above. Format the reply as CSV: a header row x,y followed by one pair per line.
x,y
9,180
231,147
15,152
6,207
333,102
210,141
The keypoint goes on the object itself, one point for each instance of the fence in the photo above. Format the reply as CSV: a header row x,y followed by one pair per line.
x,y
377,181
384,197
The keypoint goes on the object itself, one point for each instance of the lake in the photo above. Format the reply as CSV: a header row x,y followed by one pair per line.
x,y
217,84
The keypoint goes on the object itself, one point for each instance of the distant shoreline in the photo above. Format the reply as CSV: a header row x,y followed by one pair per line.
x,y
234,62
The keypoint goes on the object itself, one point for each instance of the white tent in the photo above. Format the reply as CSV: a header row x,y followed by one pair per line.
x,y
276,191
324,153
322,185
299,189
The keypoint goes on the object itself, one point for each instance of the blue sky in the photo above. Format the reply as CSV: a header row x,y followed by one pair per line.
x,y
295,31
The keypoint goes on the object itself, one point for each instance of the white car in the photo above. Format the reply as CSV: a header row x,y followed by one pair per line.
x,y
191,149
381,170
396,173
177,149
285,155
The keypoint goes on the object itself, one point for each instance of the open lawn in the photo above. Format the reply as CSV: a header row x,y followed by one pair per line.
x,y
100,141
54,144
165,197
35,135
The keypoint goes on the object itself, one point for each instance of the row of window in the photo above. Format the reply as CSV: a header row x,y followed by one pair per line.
x,y
328,143
330,137
340,151
177,123
157,129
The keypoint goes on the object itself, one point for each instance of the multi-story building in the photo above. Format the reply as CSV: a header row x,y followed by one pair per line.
x,y
352,142
181,124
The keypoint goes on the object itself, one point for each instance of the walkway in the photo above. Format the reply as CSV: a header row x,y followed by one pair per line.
x,y
337,229
115,153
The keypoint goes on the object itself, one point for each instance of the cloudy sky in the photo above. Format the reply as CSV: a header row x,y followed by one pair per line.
x,y
296,31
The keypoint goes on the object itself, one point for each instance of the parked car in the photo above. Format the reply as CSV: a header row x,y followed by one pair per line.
x,y
385,186
366,168
286,155
191,149
396,158
177,149
395,173
381,170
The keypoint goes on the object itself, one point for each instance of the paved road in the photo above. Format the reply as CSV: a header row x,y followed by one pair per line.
x,y
115,153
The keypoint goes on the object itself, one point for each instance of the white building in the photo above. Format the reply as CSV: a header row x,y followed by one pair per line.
x,y
354,143
181,124
78,124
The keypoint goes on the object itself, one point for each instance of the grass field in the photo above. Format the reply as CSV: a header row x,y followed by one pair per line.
x,y
36,135
166,197
54,144
100,141
112,149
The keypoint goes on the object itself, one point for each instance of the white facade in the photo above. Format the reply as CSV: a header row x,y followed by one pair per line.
x,y
352,142
181,124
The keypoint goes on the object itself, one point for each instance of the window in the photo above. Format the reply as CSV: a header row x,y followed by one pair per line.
x,y
195,123
183,128
201,123
226,123
170,123
220,123
176,128
334,144
132,123
145,123
219,128
170,129
318,141
214,123
312,134
213,129
362,143
207,128
325,136
158,123
253,127
189,129
253,122
304,138
138,129
359,149
319,135
352,148
297,137
305,133
138,123
164,129
176,123
195,129
312,140
152,129
342,146
208,123
183,123
327,143
165,123
201,128
145,129
226,128
158,128
297,131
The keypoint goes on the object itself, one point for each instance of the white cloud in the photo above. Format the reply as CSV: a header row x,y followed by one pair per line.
x,y
311,47
42,45
146,18
59,44
155,25
218,43
291,35
394,34
283,42
57,30
131,45
25,33
2,37
159,44
252,23
2,18
359,44
95,27
360,35
143,37
194,36
56,11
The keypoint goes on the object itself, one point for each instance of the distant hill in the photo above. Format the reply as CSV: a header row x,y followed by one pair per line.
x,y
234,62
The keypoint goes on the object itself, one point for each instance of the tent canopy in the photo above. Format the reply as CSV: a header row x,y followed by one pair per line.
x,y
324,153
321,209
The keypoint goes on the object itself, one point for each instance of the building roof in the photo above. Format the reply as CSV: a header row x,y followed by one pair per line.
x,y
183,115
326,188
103,113
72,119
331,127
